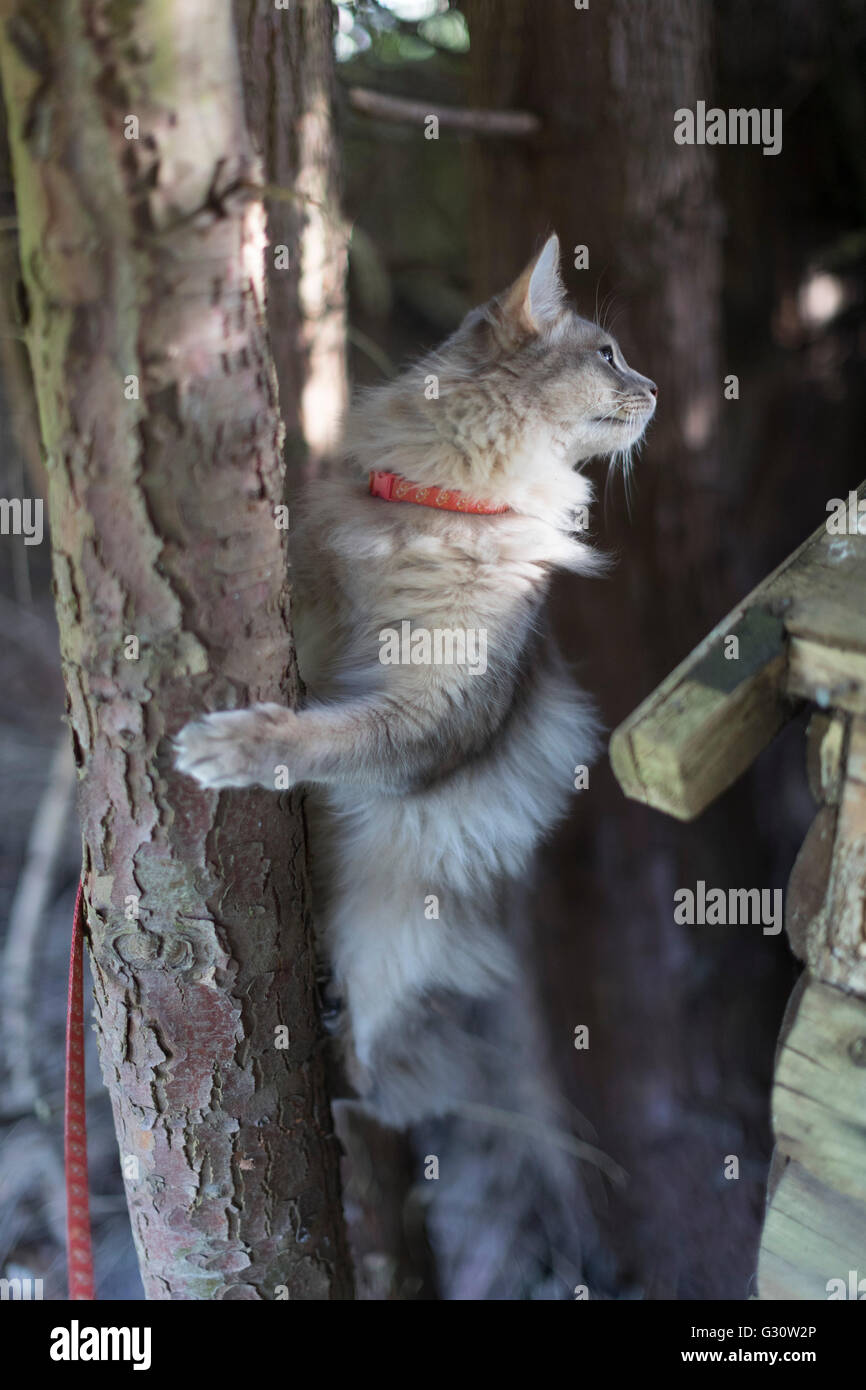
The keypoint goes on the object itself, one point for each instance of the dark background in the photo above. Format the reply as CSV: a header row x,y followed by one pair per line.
x,y
707,261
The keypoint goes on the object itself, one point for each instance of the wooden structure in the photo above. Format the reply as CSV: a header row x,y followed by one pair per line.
x,y
800,636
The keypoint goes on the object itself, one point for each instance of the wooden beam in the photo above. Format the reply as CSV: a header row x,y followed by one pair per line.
x,y
826,739
817,1189
836,944
704,725
819,1095
800,634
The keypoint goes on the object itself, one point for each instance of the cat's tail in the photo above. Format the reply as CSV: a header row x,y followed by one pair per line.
x,y
427,1063
512,1220
408,1051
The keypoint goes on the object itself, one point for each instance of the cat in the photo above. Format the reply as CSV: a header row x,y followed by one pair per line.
x,y
436,780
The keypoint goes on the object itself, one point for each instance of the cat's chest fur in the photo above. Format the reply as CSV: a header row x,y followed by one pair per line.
x,y
365,565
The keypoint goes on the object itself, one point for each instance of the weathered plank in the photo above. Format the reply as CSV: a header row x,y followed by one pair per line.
x,y
857,750
826,738
819,1095
812,1235
808,886
800,634
708,721
817,1192
837,941
827,659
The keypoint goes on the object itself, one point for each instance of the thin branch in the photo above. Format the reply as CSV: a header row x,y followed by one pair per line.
x,y
467,118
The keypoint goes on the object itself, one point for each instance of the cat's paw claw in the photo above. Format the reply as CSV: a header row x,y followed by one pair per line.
x,y
229,749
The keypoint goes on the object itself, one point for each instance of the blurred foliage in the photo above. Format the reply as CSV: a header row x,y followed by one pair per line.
x,y
403,31
407,196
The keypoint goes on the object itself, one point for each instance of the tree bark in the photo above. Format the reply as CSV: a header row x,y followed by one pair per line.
x,y
141,252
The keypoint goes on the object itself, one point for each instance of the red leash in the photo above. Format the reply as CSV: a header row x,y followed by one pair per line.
x,y
79,1254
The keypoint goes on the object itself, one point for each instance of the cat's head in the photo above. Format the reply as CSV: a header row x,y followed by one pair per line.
x,y
561,368
521,393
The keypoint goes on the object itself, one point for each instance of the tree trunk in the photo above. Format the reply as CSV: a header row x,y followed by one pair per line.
x,y
667,1091
141,251
287,61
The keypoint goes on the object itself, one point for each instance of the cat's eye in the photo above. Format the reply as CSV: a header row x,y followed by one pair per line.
x,y
607,354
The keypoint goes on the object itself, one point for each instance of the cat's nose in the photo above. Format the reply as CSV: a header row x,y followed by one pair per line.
x,y
652,388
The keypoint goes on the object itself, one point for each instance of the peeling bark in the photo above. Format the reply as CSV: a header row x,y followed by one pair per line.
x,y
142,259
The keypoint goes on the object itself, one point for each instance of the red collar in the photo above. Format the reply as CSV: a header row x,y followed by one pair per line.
x,y
391,487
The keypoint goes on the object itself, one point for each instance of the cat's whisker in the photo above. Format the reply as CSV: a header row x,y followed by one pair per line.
x,y
602,320
612,312
607,486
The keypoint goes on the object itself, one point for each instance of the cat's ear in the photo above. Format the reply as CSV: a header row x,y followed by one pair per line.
x,y
535,299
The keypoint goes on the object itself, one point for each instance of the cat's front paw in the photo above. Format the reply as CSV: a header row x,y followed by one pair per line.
x,y
238,748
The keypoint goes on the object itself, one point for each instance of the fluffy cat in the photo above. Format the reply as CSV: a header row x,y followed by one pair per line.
x,y
435,782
